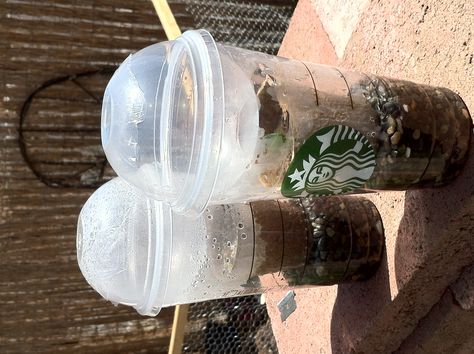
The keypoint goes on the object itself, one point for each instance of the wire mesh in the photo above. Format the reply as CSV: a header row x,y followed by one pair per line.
x,y
256,26
235,325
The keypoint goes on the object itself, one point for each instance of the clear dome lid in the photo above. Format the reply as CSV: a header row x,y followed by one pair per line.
x,y
123,246
162,120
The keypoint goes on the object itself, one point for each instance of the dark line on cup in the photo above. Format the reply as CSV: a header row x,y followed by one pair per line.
x,y
309,236
369,229
350,234
387,87
253,250
283,238
369,78
314,83
435,136
347,85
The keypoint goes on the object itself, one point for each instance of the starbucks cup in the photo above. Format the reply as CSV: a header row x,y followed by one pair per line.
x,y
192,122
135,251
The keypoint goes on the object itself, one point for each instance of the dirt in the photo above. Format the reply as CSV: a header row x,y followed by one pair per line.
x,y
344,240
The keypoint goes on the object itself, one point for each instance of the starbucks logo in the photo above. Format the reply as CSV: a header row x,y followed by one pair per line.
x,y
336,159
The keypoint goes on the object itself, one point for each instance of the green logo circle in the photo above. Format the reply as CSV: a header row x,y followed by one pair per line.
x,y
336,159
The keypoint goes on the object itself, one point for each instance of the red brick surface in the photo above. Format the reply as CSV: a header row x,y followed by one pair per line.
x,y
306,38
448,326
429,232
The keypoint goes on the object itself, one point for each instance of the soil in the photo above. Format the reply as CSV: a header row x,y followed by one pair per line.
x,y
317,241
420,134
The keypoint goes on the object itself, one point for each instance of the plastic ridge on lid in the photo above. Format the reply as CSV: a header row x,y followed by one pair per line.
x,y
163,118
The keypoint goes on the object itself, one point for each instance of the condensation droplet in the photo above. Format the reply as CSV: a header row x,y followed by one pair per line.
x,y
219,256
214,240
243,236
228,244
240,225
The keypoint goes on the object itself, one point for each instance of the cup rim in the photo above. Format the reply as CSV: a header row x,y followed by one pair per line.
x,y
198,188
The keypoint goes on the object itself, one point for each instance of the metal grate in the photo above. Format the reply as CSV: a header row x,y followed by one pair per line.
x,y
256,26
235,325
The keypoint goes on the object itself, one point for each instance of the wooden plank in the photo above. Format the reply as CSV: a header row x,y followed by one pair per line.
x,y
167,19
177,333
45,302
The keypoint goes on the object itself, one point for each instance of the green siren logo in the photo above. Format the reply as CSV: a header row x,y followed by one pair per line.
x,y
336,159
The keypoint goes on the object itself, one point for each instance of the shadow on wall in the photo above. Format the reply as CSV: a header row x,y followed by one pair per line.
x,y
59,130
437,223
434,243
356,304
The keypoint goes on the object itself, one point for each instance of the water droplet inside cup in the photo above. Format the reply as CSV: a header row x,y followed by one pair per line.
x,y
227,260
240,225
214,240
219,256
210,217
228,243
243,236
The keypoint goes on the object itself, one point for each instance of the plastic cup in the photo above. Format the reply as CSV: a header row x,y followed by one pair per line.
x,y
193,122
135,251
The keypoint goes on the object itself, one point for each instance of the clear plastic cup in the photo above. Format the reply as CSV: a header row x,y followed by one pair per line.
x,y
193,122
135,251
